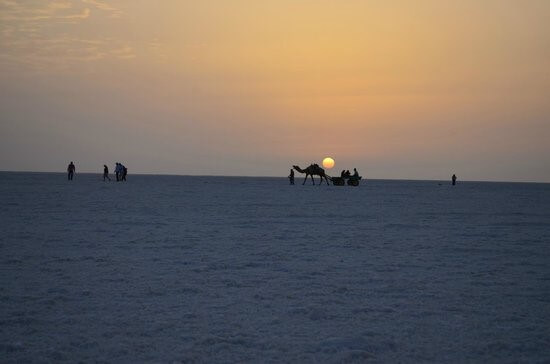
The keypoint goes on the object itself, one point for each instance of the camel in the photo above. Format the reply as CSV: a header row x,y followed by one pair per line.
x,y
312,170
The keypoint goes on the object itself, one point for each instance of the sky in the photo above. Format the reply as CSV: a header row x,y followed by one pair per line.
x,y
398,89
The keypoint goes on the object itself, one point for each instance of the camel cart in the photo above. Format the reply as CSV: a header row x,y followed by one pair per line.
x,y
341,181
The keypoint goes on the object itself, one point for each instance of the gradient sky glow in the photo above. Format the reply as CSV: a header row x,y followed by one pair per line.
x,y
398,89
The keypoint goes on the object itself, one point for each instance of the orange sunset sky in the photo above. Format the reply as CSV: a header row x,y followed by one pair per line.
x,y
398,89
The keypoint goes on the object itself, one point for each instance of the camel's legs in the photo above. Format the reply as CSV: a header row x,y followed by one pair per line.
x,y
312,180
305,179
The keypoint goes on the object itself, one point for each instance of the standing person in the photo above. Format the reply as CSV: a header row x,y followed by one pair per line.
x,y
453,178
117,171
124,172
291,176
106,173
70,171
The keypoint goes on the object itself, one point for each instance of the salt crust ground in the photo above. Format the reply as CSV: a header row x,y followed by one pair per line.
x,y
199,269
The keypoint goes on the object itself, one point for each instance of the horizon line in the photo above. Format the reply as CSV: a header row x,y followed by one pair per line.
x,y
242,176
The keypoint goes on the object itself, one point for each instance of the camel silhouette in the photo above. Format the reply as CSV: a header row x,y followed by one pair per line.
x,y
312,170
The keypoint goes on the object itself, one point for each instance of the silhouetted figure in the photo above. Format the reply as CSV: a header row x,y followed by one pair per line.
x,y
124,172
347,174
354,179
291,177
106,173
343,174
453,178
70,171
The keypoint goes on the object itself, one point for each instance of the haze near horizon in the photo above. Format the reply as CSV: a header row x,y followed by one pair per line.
x,y
397,89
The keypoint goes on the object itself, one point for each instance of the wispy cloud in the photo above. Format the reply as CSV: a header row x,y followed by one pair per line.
x,y
158,49
33,11
123,52
47,34
60,5
103,6
83,15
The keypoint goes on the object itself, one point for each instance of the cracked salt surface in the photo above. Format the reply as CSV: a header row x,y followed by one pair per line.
x,y
216,269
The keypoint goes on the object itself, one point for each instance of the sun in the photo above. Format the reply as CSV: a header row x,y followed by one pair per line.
x,y
328,162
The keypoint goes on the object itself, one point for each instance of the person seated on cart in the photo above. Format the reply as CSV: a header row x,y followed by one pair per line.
x,y
343,174
347,174
354,179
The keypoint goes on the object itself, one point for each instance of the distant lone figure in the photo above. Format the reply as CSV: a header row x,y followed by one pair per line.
x,y
70,170
453,178
106,173
291,177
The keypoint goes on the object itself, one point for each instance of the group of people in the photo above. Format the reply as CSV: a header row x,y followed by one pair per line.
x,y
120,172
347,174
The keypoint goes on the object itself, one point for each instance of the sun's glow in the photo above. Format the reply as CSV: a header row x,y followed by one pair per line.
x,y
328,162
